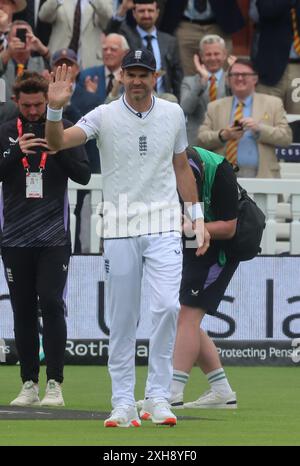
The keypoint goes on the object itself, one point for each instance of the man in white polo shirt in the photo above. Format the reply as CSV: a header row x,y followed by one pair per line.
x,y
142,142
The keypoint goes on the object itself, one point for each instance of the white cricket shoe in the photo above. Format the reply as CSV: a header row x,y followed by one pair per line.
x,y
213,400
28,396
176,402
53,395
123,416
158,410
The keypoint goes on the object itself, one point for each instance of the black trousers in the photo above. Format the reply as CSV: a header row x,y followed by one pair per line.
x,y
37,277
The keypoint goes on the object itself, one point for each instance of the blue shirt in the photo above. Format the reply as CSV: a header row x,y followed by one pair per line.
x,y
247,148
156,51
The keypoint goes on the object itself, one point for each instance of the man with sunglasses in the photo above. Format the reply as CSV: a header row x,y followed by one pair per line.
x,y
246,126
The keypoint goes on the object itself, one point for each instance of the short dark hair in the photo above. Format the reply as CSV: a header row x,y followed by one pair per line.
x,y
243,61
30,82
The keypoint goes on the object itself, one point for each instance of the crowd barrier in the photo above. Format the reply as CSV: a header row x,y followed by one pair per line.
x,y
278,198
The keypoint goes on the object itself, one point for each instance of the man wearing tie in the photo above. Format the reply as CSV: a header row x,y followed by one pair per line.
x,y
97,82
207,85
145,34
77,25
8,8
246,126
30,55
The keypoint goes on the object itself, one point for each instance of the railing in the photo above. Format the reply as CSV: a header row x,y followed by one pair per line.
x,y
95,186
278,198
282,233
282,218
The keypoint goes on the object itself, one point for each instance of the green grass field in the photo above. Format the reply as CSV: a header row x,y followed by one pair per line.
x,y
268,413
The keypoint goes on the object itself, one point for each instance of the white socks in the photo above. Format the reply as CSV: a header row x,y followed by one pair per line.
x,y
218,382
180,378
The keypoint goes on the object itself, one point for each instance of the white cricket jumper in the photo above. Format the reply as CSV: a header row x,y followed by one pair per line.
x,y
139,184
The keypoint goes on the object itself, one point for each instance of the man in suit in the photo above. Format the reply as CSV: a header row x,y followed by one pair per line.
x,y
146,35
77,24
278,52
30,14
206,85
247,126
193,19
99,81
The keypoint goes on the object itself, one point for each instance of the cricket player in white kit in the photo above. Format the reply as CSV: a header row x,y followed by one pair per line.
x,y
142,142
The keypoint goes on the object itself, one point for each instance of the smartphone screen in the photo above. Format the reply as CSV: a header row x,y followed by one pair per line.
x,y
237,124
21,34
37,129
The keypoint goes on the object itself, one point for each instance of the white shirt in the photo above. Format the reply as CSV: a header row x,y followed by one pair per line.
x,y
139,183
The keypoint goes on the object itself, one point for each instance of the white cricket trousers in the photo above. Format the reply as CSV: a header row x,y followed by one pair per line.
x,y
160,258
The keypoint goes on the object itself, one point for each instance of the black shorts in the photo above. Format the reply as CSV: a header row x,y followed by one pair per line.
x,y
204,281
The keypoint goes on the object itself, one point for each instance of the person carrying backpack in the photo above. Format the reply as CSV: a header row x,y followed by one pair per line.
x,y
204,281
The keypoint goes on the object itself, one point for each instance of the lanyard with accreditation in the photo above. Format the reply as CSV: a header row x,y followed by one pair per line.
x,y
34,181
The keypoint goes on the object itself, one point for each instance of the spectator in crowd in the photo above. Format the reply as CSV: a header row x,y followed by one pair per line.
x,y
35,236
103,80
207,85
126,131
31,14
193,19
145,34
7,9
204,282
77,25
17,57
68,56
277,59
129,16
247,126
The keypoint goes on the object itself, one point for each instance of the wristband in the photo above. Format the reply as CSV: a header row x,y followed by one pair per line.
x,y
54,115
195,211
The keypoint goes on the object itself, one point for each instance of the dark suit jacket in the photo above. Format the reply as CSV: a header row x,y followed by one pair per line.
x,y
275,38
168,46
227,12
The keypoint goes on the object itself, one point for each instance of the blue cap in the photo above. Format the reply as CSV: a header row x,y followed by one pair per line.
x,y
139,57
64,54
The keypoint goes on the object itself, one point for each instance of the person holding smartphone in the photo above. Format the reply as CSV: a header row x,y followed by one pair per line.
x,y
7,9
24,52
246,126
35,236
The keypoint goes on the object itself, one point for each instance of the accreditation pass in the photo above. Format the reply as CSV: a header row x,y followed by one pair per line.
x,y
34,185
